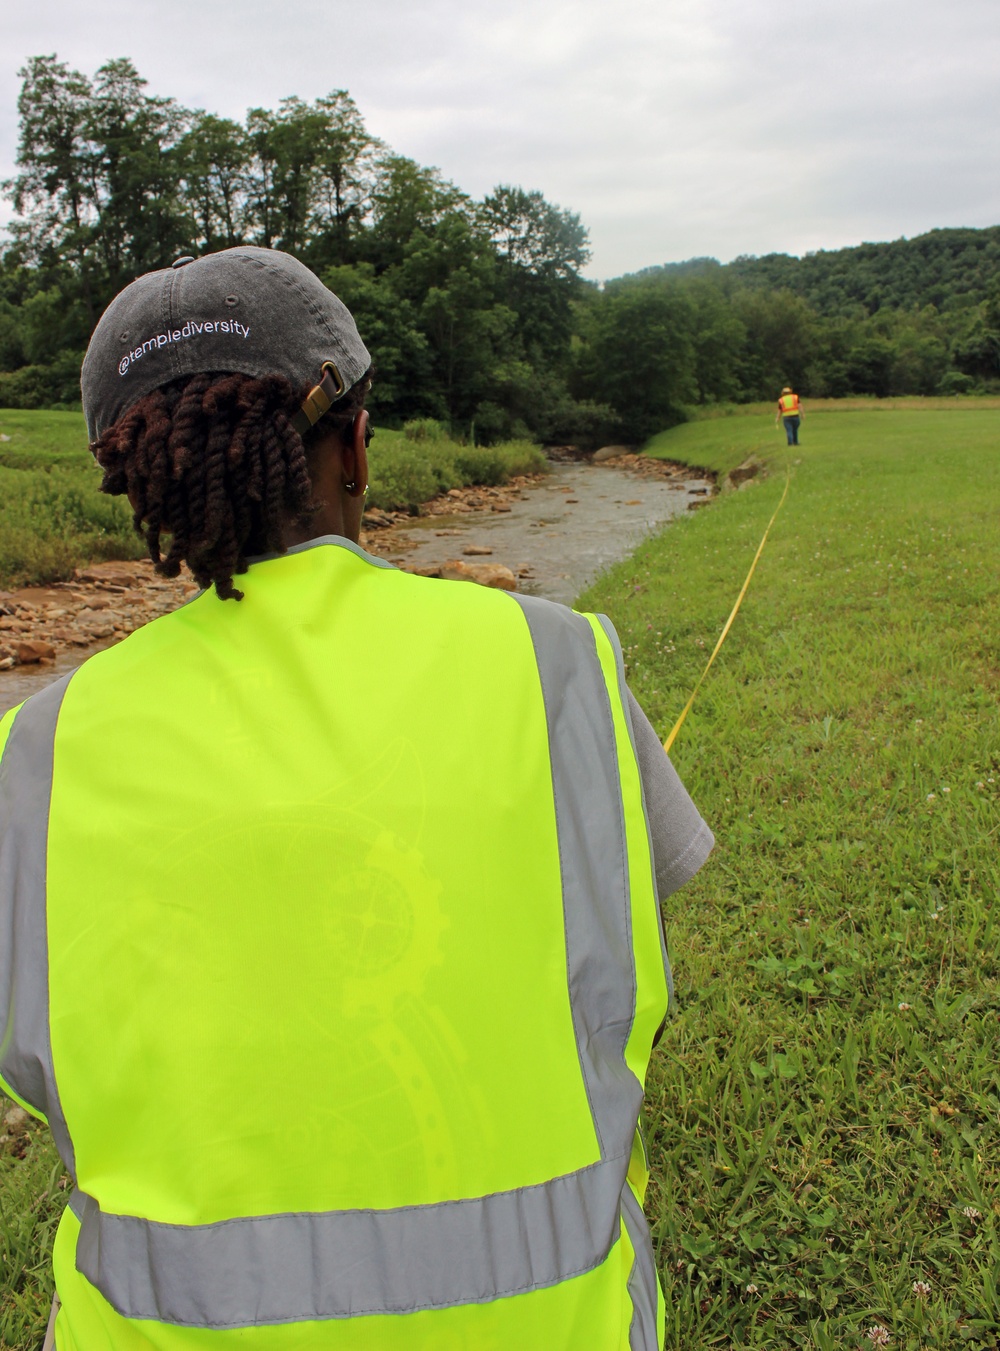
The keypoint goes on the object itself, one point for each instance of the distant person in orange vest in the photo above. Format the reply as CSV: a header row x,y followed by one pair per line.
x,y
790,412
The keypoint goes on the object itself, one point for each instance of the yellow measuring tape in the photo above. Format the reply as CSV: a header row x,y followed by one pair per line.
x,y
729,624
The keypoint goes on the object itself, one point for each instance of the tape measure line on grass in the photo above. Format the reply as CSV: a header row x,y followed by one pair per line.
x,y
729,623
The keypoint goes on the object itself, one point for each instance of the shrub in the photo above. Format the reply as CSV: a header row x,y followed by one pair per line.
x,y
492,465
955,382
425,429
54,385
405,473
401,477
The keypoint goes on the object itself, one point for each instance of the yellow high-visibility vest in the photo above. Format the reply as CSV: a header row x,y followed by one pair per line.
x,y
331,954
789,405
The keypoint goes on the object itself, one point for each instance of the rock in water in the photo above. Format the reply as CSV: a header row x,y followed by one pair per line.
x,y
32,650
486,574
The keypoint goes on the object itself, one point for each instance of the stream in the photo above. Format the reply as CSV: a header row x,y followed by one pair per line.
x,y
561,533
557,537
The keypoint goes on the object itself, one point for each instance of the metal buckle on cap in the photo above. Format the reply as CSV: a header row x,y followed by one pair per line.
x,y
319,399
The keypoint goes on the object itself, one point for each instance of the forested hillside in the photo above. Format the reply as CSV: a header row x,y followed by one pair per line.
x,y
476,311
949,269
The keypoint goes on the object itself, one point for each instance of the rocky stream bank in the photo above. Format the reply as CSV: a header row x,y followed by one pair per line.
x,y
546,534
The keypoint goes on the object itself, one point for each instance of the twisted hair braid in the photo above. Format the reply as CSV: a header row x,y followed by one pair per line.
x,y
214,462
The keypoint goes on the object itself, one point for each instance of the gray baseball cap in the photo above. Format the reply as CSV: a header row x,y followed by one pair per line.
x,y
249,310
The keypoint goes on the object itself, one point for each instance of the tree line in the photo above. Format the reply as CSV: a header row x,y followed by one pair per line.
x,y
476,312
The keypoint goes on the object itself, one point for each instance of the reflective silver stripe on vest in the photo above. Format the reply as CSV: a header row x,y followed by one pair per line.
x,y
342,1264
341,543
596,897
338,1264
613,639
642,1282
25,793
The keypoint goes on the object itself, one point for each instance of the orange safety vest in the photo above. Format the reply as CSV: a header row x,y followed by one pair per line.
x,y
788,405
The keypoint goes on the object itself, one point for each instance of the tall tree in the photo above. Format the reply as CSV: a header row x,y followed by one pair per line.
x,y
406,198
99,182
347,165
638,355
52,192
542,249
213,159
134,168
532,234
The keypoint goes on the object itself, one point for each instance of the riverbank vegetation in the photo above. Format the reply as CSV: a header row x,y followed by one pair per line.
x,y
476,311
824,1108
53,517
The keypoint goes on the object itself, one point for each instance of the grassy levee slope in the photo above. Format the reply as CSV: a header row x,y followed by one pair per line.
x,y
825,1106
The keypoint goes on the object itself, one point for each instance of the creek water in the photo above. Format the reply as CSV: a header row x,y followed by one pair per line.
x,y
17,685
563,532
558,536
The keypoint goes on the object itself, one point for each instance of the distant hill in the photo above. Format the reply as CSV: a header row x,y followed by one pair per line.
x,y
951,269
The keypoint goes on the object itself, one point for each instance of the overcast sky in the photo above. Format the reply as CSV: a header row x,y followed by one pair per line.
x,y
674,127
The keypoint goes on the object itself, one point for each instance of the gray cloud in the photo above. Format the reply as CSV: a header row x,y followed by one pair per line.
x,y
678,128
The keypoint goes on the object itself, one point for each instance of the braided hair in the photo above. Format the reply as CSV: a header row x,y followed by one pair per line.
x,y
213,461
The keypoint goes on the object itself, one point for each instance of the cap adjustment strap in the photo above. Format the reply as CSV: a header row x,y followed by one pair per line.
x,y
320,399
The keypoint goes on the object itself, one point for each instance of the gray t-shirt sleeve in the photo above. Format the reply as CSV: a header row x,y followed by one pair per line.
x,y
681,840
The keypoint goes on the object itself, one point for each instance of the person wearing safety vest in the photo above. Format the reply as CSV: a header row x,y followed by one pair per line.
x,y
790,412
330,946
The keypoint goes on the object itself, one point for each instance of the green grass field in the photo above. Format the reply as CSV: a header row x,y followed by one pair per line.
x,y
53,516
825,1107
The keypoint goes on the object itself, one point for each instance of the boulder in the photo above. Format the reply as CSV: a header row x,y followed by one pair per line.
x,y
482,549
486,574
32,650
610,453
